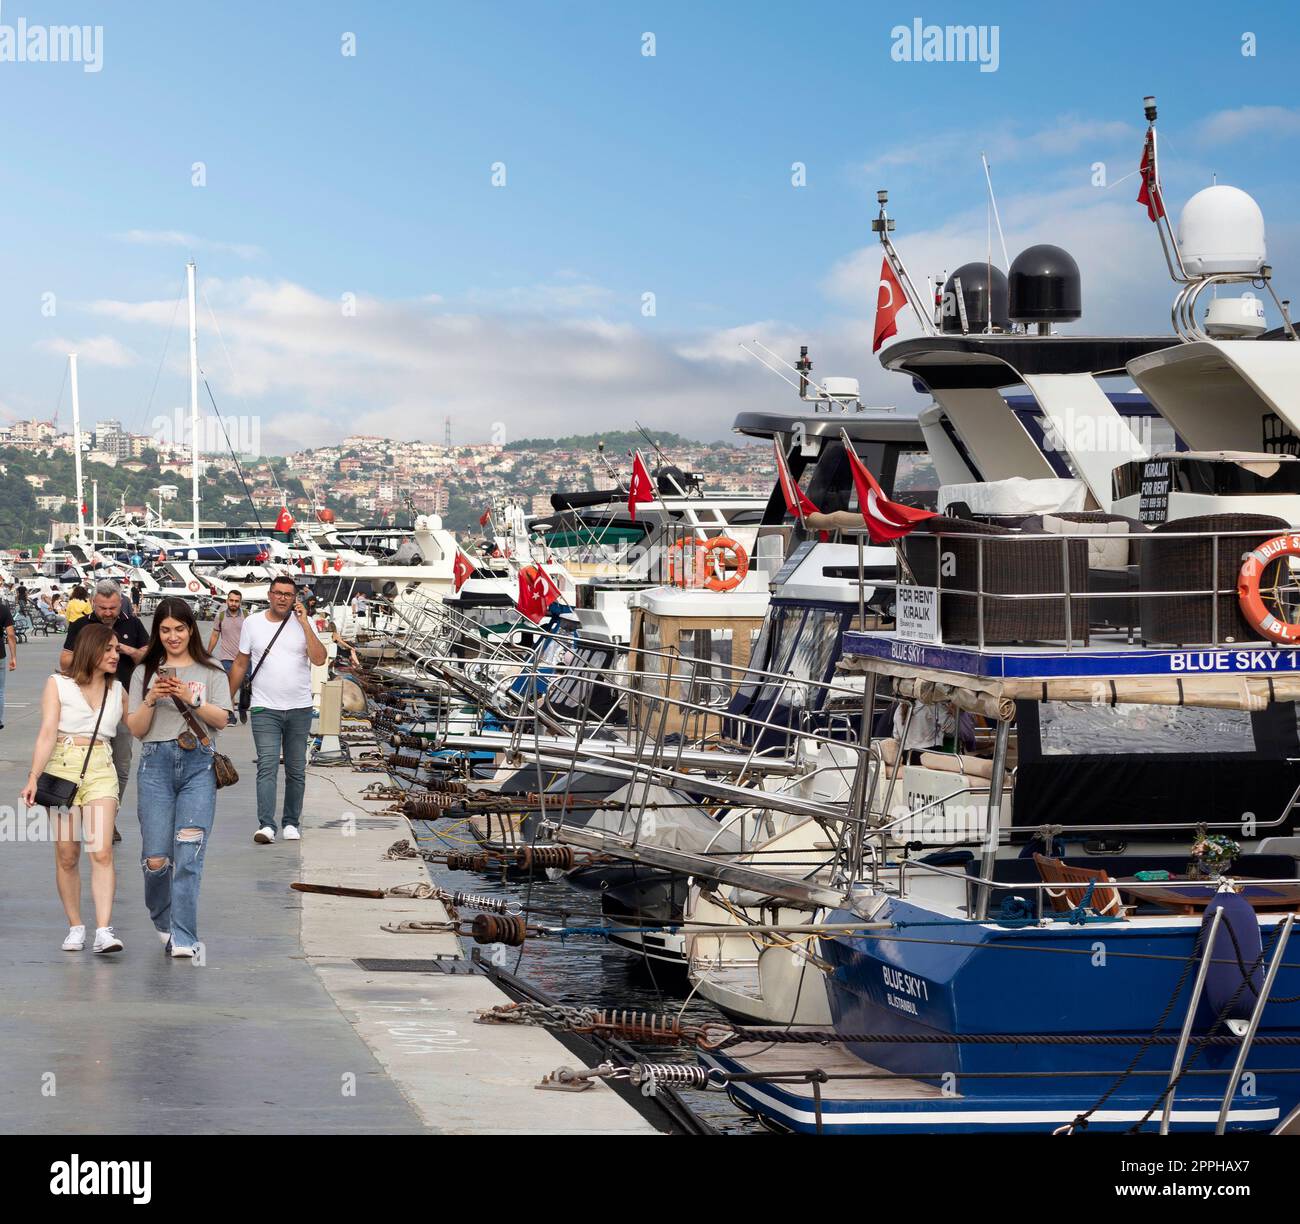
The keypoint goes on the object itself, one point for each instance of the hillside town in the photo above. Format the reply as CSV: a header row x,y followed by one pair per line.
x,y
363,477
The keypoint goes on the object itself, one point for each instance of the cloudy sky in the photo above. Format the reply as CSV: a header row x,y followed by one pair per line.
x,y
465,217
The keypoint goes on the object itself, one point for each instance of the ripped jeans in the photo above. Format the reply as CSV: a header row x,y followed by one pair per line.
x,y
176,799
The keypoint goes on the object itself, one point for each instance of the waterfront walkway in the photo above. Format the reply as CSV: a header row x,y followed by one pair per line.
x,y
280,1031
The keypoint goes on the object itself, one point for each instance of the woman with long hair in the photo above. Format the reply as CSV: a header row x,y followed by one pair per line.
x,y
176,788
80,712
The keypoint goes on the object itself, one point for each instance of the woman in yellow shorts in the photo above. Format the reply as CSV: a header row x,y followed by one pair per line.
x,y
71,705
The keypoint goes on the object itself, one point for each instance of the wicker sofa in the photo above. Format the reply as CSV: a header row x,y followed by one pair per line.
x,y
1173,564
1011,566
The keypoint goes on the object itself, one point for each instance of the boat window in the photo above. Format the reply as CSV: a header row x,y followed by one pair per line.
x,y
812,654
915,472
1069,728
710,675
651,664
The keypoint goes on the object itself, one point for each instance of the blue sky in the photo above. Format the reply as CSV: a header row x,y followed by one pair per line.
x,y
519,308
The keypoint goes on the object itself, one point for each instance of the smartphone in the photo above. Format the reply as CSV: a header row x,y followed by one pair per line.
x,y
167,673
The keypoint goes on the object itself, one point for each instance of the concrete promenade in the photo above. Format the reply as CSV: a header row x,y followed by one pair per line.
x,y
279,1031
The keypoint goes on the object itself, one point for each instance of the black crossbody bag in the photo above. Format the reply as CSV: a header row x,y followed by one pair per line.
x,y
55,793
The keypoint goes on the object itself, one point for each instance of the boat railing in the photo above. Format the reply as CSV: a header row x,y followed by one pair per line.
x,y
1069,586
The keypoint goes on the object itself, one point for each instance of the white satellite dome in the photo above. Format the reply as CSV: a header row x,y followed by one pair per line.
x,y
1221,230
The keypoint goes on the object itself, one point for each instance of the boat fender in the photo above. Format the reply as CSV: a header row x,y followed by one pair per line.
x,y
1224,978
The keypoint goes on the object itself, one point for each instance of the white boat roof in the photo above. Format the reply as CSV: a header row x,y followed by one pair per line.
x,y
701,602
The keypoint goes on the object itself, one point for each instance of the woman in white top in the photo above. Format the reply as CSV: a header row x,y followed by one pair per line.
x,y
70,706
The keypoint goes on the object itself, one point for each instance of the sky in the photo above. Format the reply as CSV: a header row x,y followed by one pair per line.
x,y
510,215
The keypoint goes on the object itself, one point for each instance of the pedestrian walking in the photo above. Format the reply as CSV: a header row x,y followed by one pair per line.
x,y
282,647
8,653
223,644
179,698
132,637
73,778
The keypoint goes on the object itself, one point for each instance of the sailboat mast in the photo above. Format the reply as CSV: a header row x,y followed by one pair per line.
x,y
194,395
76,445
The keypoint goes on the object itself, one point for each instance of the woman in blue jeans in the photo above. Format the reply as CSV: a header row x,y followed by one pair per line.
x,y
176,789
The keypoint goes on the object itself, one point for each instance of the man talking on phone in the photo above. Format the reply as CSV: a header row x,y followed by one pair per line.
x,y
281,647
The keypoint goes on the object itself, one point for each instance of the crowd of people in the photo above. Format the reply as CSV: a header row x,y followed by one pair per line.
x,y
119,683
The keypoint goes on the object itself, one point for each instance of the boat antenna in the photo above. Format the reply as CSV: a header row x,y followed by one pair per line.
x,y
665,460
993,201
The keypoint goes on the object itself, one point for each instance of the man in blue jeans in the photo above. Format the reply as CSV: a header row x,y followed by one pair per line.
x,y
281,647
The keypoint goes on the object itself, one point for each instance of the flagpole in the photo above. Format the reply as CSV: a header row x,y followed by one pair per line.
x,y
882,225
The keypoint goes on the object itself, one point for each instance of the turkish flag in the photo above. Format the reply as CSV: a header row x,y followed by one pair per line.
x,y
1149,192
462,570
886,520
889,301
285,521
797,504
537,591
641,489
484,517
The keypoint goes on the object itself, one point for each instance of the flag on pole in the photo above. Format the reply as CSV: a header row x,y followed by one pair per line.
x,y
886,520
797,504
890,299
285,520
641,490
1149,192
485,517
537,592
462,570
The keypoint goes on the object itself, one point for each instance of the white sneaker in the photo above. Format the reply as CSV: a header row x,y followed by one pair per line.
x,y
264,836
76,939
165,936
180,952
291,833
106,941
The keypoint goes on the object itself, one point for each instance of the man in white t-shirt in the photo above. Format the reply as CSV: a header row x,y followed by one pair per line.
x,y
281,647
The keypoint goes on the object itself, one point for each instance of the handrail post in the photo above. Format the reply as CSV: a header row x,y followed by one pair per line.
x,y
979,587
993,829
1214,585
1207,955
1255,1017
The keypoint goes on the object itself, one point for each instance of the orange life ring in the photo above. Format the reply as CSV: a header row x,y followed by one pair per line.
x,y
1248,592
725,545
194,586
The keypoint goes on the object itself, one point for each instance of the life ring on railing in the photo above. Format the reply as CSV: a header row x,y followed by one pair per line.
x,y
1249,596
194,586
726,547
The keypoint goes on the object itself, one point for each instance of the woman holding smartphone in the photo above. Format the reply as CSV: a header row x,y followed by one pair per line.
x,y
80,712
176,789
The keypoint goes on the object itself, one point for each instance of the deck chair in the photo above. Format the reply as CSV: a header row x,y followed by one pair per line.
x,y
1074,883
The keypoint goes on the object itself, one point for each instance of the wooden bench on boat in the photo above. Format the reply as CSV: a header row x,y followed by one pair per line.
x,y
1074,882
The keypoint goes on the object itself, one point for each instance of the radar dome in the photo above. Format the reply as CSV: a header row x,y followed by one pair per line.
x,y
1221,230
984,292
1045,286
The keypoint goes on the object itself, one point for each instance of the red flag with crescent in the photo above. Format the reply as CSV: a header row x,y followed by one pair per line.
x,y
886,520
285,520
641,490
462,570
797,503
537,591
889,301
1149,192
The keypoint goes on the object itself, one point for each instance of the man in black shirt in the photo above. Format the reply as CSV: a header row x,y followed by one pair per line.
x,y
132,639
9,647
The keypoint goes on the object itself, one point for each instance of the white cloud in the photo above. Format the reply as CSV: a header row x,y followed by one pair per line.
x,y
1228,126
176,238
92,350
